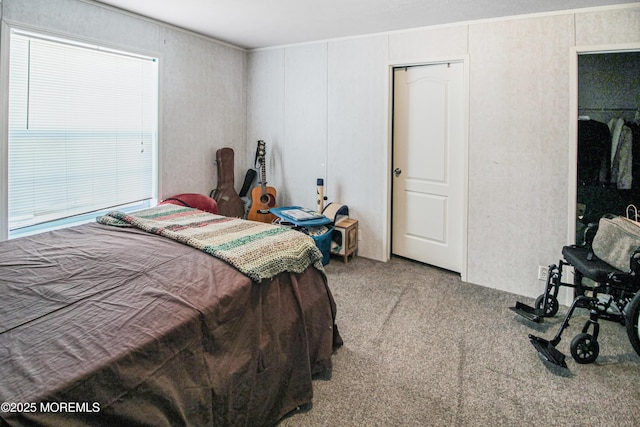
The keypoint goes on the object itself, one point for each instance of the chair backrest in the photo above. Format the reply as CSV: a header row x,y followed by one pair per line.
x,y
193,200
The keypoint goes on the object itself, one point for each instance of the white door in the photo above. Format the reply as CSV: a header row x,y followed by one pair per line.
x,y
428,162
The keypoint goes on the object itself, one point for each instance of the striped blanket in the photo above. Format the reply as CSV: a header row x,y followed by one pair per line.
x,y
260,251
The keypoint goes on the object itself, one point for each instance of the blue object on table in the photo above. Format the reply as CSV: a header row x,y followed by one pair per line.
x,y
309,226
283,213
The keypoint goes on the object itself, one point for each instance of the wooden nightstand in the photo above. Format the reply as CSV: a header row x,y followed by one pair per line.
x,y
348,228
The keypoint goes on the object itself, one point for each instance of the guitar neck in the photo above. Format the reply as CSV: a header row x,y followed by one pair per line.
x,y
263,171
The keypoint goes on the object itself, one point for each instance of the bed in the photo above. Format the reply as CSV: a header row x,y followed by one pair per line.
x,y
118,323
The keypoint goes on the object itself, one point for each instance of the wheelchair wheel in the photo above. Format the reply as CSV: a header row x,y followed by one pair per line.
x,y
584,348
633,322
552,305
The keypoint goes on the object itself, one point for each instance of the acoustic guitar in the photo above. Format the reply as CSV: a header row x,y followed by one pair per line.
x,y
229,203
262,198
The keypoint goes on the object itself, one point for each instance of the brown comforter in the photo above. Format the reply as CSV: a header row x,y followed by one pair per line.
x,y
109,326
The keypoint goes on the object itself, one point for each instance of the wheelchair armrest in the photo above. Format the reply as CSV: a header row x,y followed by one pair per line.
x,y
589,233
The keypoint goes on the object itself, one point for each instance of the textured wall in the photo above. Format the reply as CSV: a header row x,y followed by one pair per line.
x,y
321,107
519,147
202,84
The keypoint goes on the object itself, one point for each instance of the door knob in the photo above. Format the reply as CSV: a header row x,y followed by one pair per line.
x,y
397,171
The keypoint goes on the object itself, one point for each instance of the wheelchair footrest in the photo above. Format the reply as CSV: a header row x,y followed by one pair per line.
x,y
547,351
528,312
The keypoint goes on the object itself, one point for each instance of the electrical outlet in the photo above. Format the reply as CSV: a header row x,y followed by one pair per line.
x,y
543,272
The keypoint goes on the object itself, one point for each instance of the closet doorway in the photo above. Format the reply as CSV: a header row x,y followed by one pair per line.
x,y
608,135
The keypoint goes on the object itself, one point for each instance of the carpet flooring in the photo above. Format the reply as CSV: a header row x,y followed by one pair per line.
x,y
423,348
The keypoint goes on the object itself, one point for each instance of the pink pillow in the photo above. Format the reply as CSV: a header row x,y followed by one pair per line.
x,y
193,200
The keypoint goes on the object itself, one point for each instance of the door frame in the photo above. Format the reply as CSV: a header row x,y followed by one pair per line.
x,y
575,51
388,154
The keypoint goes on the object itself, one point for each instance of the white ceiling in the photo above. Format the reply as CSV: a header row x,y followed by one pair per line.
x,y
263,23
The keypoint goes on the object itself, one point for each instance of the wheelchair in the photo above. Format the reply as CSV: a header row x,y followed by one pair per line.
x,y
608,294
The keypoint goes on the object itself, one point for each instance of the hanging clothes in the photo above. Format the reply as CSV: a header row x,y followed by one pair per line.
x,y
635,137
622,155
615,127
594,151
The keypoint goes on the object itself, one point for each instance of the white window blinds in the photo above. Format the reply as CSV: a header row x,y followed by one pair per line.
x,y
82,129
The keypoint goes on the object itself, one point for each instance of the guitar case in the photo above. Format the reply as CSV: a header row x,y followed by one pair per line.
x,y
229,203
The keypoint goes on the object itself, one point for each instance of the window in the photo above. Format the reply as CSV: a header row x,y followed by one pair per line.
x,y
82,132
